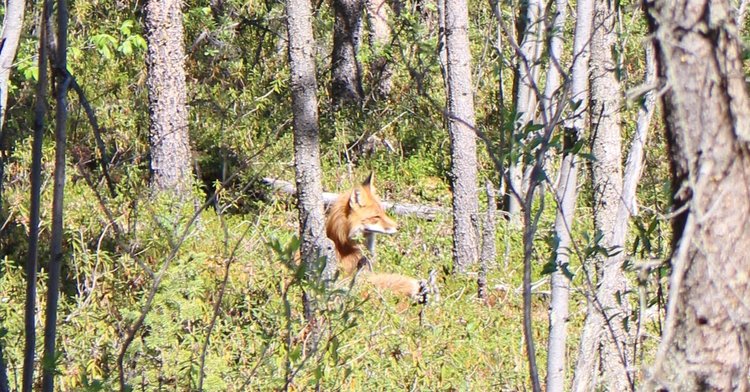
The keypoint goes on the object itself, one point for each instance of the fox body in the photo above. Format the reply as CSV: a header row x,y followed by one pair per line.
x,y
359,212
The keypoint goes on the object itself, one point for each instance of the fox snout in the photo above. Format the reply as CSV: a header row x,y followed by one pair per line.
x,y
381,226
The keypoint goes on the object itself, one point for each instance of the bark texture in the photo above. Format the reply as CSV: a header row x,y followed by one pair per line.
x,y
707,112
380,38
603,350
463,140
171,162
12,25
346,74
303,85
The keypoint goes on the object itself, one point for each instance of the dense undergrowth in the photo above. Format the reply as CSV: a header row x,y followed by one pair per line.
x,y
241,131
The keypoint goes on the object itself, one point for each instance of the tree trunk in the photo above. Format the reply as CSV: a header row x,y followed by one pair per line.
x,y
566,198
554,71
634,163
346,74
40,110
603,349
4,385
489,253
527,77
56,251
707,114
380,38
12,25
171,162
11,32
304,86
442,52
463,140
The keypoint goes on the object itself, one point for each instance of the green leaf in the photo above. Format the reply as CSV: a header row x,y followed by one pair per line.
x,y
127,26
295,354
549,267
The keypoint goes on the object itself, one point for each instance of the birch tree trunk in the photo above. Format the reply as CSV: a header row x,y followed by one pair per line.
x,y
603,349
527,77
554,71
11,32
634,163
463,140
704,345
12,25
56,249
380,38
346,74
171,162
566,187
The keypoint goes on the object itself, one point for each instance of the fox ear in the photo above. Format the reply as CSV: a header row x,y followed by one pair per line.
x,y
355,199
370,182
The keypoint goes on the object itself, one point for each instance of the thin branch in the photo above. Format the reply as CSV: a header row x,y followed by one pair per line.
x,y
91,114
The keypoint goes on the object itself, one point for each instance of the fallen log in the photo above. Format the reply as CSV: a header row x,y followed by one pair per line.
x,y
417,210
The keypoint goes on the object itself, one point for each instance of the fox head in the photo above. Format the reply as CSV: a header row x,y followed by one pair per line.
x,y
366,213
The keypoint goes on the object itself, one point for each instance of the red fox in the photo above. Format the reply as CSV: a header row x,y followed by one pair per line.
x,y
359,212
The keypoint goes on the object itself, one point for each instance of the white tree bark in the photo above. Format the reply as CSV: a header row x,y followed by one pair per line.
x,y
566,198
603,338
634,163
12,25
463,139
554,70
531,46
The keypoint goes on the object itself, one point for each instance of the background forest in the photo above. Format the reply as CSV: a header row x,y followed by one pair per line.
x,y
195,285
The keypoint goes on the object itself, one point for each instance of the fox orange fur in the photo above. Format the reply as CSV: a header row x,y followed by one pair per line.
x,y
356,212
